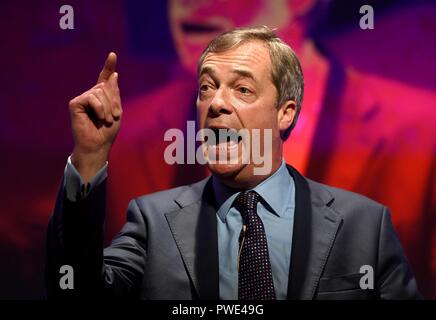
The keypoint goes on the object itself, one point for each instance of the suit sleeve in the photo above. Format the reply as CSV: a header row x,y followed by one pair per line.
x,y
75,188
75,238
395,279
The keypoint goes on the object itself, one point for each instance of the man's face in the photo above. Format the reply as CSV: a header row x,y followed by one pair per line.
x,y
194,23
235,92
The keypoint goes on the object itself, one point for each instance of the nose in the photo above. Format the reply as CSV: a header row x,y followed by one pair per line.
x,y
219,104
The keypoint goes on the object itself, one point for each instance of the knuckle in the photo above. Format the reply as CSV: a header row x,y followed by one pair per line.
x,y
97,86
89,95
73,103
96,102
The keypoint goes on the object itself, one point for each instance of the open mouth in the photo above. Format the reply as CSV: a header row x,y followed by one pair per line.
x,y
223,145
200,28
223,137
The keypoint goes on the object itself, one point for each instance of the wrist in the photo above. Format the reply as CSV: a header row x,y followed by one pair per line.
x,y
88,164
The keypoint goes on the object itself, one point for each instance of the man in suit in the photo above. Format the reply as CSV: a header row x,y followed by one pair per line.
x,y
356,130
239,234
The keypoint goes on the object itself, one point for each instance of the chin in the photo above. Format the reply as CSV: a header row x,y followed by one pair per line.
x,y
225,171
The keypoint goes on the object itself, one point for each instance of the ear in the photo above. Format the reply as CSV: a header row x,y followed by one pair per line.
x,y
286,115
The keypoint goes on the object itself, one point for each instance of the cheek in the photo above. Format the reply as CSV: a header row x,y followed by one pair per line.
x,y
239,103
201,113
258,117
263,113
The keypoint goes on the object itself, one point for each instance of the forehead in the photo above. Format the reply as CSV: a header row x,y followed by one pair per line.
x,y
252,57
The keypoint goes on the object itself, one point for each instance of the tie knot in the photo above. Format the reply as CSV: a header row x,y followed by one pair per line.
x,y
246,201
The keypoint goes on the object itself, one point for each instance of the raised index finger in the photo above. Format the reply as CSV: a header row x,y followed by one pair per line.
x,y
109,67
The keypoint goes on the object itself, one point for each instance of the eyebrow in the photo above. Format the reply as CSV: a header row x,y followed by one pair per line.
x,y
242,73
209,71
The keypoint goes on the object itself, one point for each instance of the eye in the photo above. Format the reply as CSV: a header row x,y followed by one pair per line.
x,y
204,87
244,90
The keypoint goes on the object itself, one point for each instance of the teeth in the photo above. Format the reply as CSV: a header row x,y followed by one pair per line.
x,y
223,135
225,145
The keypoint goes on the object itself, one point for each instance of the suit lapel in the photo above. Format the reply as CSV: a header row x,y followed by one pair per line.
x,y
195,232
194,229
315,228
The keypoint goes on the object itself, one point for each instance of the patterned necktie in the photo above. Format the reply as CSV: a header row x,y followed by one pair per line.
x,y
255,276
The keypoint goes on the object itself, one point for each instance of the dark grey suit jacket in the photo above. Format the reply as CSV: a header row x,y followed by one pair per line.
x,y
168,246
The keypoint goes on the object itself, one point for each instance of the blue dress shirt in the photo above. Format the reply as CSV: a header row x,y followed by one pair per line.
x,y
277,214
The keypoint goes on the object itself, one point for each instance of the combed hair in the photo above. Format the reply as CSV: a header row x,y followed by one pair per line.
x,y
286,72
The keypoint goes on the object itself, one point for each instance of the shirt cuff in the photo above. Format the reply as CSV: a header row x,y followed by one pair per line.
x,y
74,186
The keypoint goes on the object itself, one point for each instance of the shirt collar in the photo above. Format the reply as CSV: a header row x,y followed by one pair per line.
x,y
271,190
